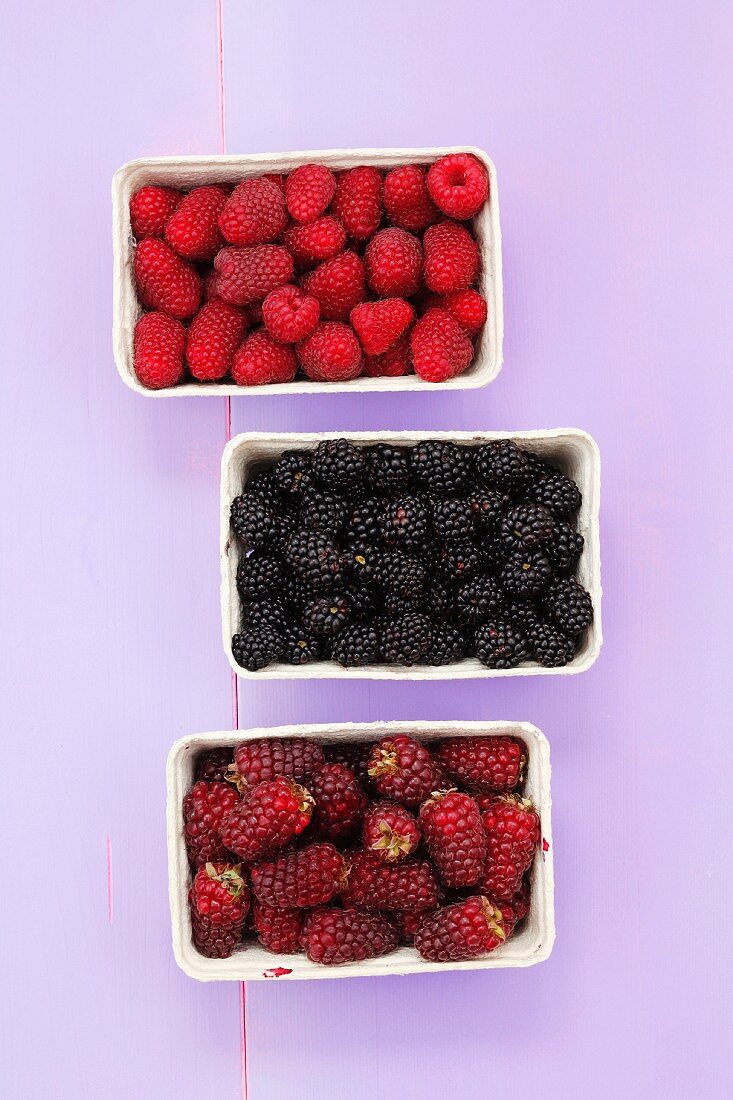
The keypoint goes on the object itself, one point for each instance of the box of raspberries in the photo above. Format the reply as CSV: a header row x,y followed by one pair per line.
x,y
295,272
393,555
343,850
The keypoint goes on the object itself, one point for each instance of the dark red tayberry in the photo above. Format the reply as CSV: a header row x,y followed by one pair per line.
x,y
278,930
219,899
464,930
390,831
267,817
301,879
333,936
340,801
485,763
512,833
204,809
403,769
372,884
451,824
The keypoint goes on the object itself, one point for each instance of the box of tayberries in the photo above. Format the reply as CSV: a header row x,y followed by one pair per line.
x,y
298,272
347,850
398,555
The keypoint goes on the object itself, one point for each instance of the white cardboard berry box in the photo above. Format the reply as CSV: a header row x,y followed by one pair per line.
x,y
572,450
531,944
193,171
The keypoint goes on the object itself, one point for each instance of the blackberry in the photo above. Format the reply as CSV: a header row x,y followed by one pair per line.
x,y
569,606
441,467
259,574
323,512
549,646
405,523
558,493
294,594
499,644
292,474
397,606
356,646
501,465
315,558
440,598
213,765
402,576
487,507
338,464
453,518
285,527
364,603
255,648
565,549
301,648
522,615
326,615
447,646
405,640
262,485
360,563
268,613
388,468
526,526
460,559
479,600
494,554
524,576
253,521
362,522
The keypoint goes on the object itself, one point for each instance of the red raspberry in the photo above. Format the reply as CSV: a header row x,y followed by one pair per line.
x,y
340,801
380,324
158,348
219,899
458,184
351,756
266,817
254,213
406,198
390,831
333,936
150,209
462,931
213,337
310,244
338,284
164,281
204,809
265,758
193,230
373,884
440,349
249,274
278,930
483,763
331,354
289,314
513,833
451,824
393,363
402,769
451,257
468,307
261,361
308,191
393,263
214,765
301,879
358,201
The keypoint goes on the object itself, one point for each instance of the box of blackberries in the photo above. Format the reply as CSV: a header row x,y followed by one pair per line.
x,y
398,555
345,270
347,850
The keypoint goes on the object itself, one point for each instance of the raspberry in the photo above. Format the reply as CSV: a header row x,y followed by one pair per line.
x,y
311,244
204,809
308,191
301,879
358,201
214,765
454,834
390,831
289,314
484,763
158,348
468,307
213,337
373,884
402,769
193,229
393,263
267,816
164,281
440,350
334,936
249,274
219,900
331,353
340,801
451,257
266,758
393,363
150,209
337,284
512,833
254,213
261,360
462,931
278,930
406,198
458,184
380,324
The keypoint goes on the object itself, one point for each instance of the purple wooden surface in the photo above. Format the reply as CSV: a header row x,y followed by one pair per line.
x,y
608,124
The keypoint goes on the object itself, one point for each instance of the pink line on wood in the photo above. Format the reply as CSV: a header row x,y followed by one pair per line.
x,y
110,892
